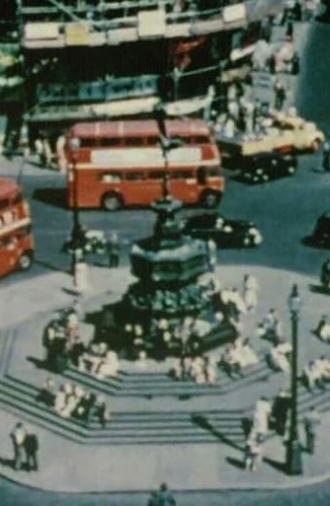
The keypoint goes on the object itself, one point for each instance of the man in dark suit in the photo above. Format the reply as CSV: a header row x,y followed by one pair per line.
x,y
31,446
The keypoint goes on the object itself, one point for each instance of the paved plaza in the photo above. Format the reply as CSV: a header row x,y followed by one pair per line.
x,y
71,464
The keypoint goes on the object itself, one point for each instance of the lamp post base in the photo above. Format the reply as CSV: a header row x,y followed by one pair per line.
x,y
294,465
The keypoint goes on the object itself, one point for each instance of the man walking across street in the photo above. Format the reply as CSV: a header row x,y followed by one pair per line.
x,y
311,420
18,436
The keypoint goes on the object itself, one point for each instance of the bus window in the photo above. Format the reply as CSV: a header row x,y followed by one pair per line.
x,y
212,171
177,142
111,177
134,176
156,174
201,175
109,142
24,231
86,142
182,174
4,204
133,141
200,139
9,243
152,141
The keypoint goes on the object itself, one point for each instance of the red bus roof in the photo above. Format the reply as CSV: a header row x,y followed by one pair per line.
x,y
142,128
7,188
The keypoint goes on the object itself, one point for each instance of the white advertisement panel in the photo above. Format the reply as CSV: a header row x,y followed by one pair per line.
x,y
143,157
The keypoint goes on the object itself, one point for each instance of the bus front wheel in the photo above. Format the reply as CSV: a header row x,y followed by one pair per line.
x,y
211,199
25,261
111,202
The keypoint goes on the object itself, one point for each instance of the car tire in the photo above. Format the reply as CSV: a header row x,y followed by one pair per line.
x,y
25,261
111,202
211,199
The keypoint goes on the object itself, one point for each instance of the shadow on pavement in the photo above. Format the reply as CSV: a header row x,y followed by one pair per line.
x,y
7,462
235,462
40,364
279,466
51,196
202,422
50,266
319,289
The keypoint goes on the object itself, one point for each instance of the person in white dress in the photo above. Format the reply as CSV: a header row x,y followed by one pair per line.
x,y
279,356
261,417
109,366
60,400
250,292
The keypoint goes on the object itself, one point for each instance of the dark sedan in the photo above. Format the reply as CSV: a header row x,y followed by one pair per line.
x,y
268,166
224,232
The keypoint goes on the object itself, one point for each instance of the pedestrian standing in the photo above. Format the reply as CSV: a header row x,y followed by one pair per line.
x,y
47,153
229,127
31,447
280,94
60,153
311,421
256,116
249,117
39,151
250,292
326,157
280,411
18,436
253,452
114,250
297,11
262,417
164,496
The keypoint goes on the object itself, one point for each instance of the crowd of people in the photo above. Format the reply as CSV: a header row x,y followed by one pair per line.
x,y
274,415
246,114
201,369
72,401
237,356
65,347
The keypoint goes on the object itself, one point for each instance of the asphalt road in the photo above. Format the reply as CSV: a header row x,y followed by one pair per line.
x,y
284,210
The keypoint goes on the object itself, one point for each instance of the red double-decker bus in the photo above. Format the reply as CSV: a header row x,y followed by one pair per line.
x,y
16,240
113,164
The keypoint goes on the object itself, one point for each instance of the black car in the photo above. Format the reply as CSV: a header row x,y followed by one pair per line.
x,y
267,166
321,233
225,233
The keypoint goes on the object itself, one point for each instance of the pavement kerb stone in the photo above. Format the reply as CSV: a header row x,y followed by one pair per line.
x,y
230,487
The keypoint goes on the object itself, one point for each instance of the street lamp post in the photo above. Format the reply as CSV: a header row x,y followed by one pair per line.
x,y
293,455
77,233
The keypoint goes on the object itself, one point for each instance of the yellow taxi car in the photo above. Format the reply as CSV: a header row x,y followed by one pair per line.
x,y
277,132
